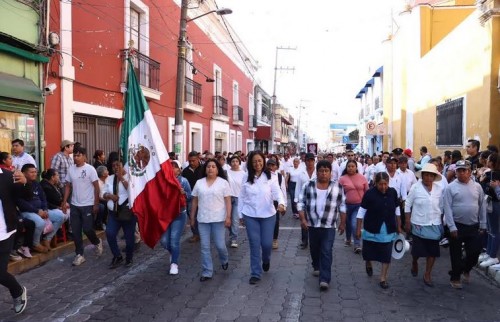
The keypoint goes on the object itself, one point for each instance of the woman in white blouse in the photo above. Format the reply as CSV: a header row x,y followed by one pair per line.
x,y
235,177
212,198
423,209
293,177
256,210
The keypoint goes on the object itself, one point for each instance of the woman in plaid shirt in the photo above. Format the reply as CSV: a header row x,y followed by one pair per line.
x,y
318,203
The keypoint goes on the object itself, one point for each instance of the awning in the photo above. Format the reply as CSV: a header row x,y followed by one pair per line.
x,y
379,71
23,53
370,83
263,133
20,88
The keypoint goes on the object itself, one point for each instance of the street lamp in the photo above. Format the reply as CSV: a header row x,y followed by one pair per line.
x,y
181,75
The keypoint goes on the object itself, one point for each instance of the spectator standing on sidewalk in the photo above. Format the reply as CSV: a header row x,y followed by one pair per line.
x,y
354,185
193,172
318,203
170,240
12,186
465,216
20,157
423,209
81,182
235,178
212,205
257,212
379,216
62,160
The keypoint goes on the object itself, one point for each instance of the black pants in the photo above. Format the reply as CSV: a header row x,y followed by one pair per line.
x,y
304,236
24,234
469,236
277,226
6,279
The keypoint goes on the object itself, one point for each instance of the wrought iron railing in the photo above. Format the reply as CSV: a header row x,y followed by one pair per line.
x,y
192,91
146,69
237,113
252,121
220,105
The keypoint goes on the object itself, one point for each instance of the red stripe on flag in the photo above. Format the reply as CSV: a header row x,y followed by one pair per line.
x,y
158,204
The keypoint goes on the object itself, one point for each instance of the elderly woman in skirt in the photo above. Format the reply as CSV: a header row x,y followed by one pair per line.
x,y
379,215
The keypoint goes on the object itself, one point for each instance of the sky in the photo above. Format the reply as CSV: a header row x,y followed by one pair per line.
x,y
338,47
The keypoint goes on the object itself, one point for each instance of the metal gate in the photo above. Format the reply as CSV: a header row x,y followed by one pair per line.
x,y
96,133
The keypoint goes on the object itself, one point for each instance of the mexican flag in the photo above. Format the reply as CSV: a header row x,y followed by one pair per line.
x,y
154,191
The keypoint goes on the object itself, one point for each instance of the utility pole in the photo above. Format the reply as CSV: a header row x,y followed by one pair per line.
x,y
273,104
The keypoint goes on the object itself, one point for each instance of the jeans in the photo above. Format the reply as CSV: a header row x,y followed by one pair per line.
x,y
469,236
321,246
170,240
81,218
291,190
260,238
235,220
215,231
56,216
493,231
7,279
350,227
112,229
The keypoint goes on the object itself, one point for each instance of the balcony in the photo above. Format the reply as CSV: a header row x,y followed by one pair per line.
x,y
192,96
147,72
220,109
252,123
238,115
265,118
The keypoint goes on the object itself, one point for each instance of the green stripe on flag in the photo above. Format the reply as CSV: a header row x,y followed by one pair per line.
x,y
135,106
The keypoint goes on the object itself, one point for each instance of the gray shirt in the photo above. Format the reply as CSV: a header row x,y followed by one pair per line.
x,y
464,203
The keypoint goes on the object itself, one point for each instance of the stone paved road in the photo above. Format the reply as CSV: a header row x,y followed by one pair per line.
x,y
288,292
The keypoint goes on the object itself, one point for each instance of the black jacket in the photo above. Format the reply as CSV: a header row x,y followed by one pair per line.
x,y
33,202
9,193
53,195
380,208
193,176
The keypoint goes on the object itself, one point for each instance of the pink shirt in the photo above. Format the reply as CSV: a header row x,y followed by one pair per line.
x,y
354,186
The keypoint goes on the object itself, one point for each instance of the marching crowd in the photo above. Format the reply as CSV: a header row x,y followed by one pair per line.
x,y
378,201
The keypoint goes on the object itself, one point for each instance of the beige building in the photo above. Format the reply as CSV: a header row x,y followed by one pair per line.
x,y
440,80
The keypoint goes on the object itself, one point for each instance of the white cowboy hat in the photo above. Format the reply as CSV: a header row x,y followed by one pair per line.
x,y
431,168
399,247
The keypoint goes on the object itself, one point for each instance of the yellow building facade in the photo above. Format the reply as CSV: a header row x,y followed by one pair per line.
x,y
441,73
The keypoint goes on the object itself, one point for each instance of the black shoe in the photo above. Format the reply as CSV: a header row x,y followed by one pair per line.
x,y
129,262
265,266
225,266
116,262
254,280
137,246
384,285
369,270
303,245
205,278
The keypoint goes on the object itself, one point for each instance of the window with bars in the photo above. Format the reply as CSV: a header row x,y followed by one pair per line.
x,y
449,123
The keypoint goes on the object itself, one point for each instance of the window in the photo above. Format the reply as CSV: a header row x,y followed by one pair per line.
x,y
449,123
236,94
135,28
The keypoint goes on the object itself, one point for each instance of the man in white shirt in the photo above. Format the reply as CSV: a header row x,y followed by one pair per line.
x,y
381,166
308,174
396,180
407,174
335,167
350,156
19,157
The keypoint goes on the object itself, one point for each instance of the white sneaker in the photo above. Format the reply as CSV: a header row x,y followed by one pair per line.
x,y
79,260
234,244
483,257
174,269
489,262
98,248
495,267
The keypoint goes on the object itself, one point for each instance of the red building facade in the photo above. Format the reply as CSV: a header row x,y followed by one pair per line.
x,y
89,67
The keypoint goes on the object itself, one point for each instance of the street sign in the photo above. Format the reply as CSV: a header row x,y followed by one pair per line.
x,y
371,128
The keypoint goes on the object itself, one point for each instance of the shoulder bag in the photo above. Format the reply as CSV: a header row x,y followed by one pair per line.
x,y
123,212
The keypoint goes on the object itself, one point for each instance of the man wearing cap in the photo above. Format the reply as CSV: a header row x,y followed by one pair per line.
x,y
62,160
411,162
396,179
397,152
465,216
19,157
308,174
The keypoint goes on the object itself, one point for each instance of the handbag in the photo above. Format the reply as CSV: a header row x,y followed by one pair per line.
x,y
123,212
433,232
48,228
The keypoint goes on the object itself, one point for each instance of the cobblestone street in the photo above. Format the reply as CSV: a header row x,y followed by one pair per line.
x,y
288,292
